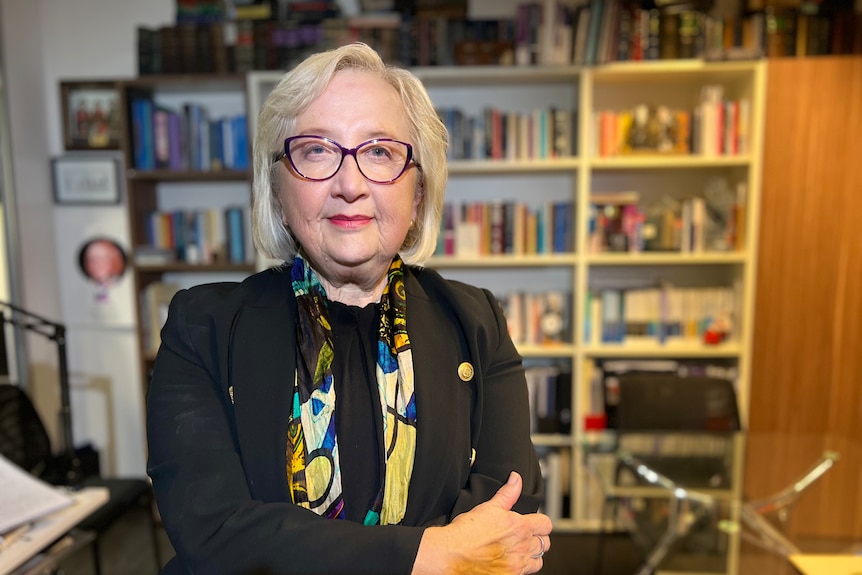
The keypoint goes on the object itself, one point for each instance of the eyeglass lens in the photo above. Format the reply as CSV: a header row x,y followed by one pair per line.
x,y
318,159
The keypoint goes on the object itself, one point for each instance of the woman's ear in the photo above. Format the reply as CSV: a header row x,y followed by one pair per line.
x,y
420,192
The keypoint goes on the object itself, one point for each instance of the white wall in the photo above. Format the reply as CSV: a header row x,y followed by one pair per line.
x,y
45,41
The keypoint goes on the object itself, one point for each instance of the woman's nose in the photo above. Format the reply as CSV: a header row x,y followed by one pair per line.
x,y
349,181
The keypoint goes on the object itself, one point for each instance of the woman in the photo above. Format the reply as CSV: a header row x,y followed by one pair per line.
x,y
424,464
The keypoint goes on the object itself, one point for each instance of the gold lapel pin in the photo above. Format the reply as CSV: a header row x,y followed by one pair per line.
x,y
465,371
230,393
472,457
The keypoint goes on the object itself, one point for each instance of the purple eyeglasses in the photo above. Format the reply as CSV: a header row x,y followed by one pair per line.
x,y
316,158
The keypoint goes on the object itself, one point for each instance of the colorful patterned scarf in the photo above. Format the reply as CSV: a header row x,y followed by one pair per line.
x,y
313,468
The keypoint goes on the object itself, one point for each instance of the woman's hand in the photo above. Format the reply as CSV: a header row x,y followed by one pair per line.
x,y
490,538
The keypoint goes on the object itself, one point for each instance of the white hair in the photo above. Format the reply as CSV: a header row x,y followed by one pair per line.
x,y
277,121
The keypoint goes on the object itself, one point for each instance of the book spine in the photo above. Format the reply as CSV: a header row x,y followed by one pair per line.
x,y
235,229
161,139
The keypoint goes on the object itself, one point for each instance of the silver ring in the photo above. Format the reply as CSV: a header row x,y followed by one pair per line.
x,y
542,550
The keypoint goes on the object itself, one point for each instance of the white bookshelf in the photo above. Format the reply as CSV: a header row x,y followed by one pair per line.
x,y
615,86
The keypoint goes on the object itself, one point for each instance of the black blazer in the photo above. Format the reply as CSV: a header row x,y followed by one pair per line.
x,y
217,409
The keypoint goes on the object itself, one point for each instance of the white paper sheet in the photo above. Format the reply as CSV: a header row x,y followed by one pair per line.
x,y
24,498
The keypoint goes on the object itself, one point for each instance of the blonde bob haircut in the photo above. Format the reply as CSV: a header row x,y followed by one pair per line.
x,y
277,121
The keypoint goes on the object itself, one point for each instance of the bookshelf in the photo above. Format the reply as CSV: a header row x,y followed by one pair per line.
x,y
185,142
583,270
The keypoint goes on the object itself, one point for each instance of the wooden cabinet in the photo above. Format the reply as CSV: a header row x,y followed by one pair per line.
x,y
805,396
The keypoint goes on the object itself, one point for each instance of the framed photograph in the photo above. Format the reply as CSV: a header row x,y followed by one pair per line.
x,y
91,115
86,180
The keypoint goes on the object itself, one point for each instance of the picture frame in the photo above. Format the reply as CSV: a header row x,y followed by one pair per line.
x,y
86,180
91,115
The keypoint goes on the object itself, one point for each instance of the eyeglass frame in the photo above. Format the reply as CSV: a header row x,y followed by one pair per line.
x,y
347,152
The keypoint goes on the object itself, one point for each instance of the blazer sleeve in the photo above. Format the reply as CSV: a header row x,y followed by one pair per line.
x,y
214,524
503,427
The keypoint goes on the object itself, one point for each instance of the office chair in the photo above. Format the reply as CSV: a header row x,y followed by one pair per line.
x,y
676,427
25,442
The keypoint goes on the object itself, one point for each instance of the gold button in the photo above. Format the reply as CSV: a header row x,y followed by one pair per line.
x,y
465,371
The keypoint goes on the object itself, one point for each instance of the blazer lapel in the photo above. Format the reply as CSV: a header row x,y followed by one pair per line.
x,y
427,326
262,368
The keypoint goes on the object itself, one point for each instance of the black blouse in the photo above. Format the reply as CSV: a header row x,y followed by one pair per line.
x,y
358,419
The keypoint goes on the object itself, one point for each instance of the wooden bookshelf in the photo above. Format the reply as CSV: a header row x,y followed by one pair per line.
x,y
186,194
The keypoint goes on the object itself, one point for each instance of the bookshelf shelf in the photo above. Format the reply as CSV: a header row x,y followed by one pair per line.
x,y
657,162
670,259
496,75
188,82
186,176
552,439
659,70
504,261
180,267
669,350
466,167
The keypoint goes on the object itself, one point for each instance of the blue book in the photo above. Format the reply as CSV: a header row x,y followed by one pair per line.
x,y
138,133
541,248
595,26
235,235
147,137
142,134
240,133
217,159
562,214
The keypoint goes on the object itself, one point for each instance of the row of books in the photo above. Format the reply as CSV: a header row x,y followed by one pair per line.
x,y
547,32
602,31
549,389
204,236
660,315
697,224
219,37
555,465
537,318
715,127
795,32
154,301
187,139
497,135
497,228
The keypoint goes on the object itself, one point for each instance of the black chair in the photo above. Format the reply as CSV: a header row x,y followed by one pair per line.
x,y
25,442
683,428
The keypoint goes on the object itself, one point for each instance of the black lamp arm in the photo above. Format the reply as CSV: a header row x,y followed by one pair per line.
x,y
55,332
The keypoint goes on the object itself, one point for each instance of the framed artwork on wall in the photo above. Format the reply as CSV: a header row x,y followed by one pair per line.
x,y
91,115
86,179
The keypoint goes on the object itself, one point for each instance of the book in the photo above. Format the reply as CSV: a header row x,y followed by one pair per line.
x,y
155,300
235,230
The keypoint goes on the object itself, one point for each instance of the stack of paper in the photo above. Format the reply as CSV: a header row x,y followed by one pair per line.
x,y
24,498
